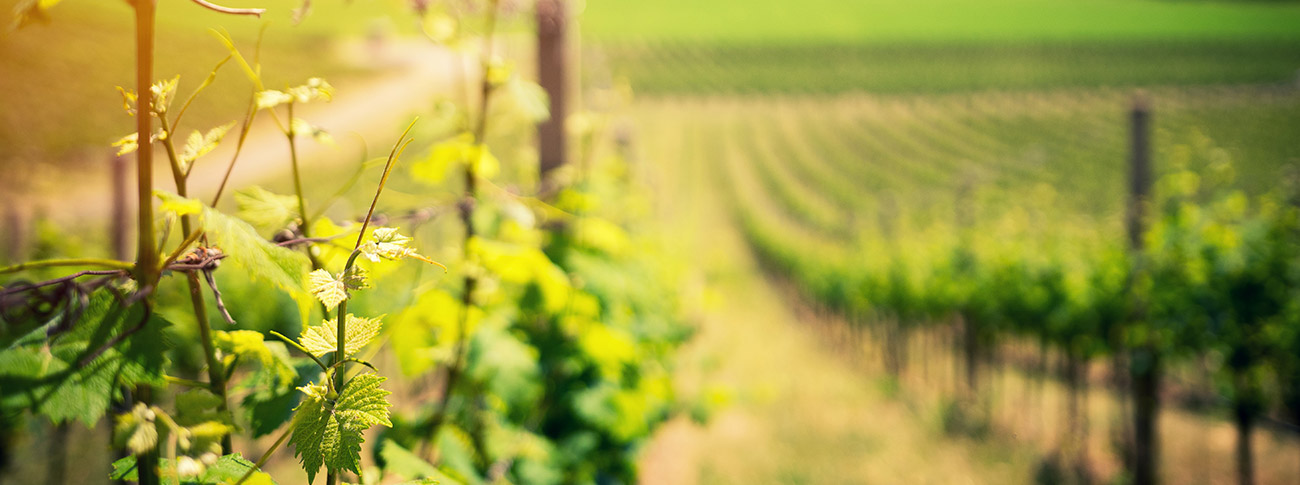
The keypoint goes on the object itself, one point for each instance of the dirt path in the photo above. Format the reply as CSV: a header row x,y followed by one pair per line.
x,y
793,412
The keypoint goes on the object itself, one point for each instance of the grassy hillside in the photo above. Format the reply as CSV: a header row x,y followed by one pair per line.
x,y
884,21
942,45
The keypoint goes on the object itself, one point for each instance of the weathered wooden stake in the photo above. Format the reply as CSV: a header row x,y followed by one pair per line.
x,y
119,224
1144,362
552,75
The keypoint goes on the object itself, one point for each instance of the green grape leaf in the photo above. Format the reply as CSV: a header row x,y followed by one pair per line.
x,y
316,89
602,235
323,339
225,470
328,289
265,209
311,418
330,434
54,379
283,267
363,404
200,144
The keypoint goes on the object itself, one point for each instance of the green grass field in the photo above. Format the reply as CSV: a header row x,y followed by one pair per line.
x,y
943,46
883,21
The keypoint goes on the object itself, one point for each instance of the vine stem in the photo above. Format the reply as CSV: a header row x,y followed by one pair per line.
x,y
249,115
216,372
340,352
255,12
146,252
105,263
146,267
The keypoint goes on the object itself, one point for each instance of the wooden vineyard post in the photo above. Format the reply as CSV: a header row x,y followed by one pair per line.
x,y
1144,361
552,75
119,221
16,225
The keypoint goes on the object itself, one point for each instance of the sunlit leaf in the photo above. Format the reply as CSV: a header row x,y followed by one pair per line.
x,y
282,267
162,94
271,98
127,144
323,339
265,209
200,144
325,287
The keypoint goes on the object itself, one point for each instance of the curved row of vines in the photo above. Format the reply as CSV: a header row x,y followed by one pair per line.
x,y
994,220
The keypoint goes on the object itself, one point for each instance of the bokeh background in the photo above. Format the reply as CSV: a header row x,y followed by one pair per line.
x,y
901,228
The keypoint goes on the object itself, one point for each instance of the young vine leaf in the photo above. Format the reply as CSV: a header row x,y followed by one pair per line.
x,y
387,243
329,433
332,290
322,339
200,144
163,92
316,89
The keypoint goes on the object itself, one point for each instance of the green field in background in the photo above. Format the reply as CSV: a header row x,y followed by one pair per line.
x,y
840,21
681,68
824,46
